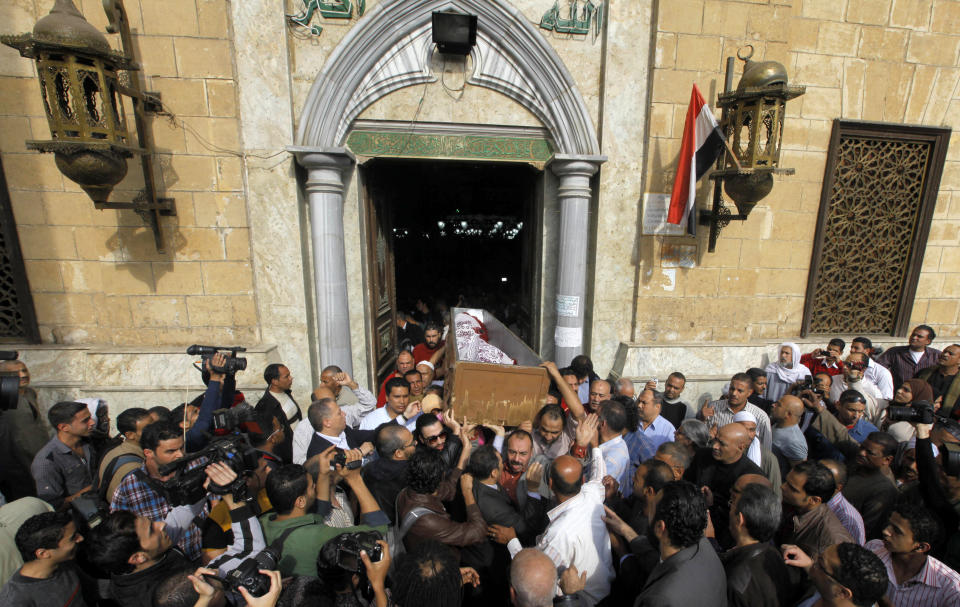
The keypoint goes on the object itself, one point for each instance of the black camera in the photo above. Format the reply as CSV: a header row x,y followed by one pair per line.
x,y
951,459
225,421
186,486
88,511
232,364
9,383
920,412
343,551
806,384
247,573
340,457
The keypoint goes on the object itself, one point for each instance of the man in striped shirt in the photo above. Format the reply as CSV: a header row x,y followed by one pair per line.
x,y
848,515
720,412
916,578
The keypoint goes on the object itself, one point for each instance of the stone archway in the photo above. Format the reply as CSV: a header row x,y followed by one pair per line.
x,y
390,49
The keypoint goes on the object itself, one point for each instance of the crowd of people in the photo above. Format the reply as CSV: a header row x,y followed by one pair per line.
x,y
824,478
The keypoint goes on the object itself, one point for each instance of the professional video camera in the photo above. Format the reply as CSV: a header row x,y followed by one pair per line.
x,y
232,364
247,573
920,412
186,486
9,383
228,421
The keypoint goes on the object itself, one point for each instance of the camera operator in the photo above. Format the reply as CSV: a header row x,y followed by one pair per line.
x,y
140,492
64,468
824,433
940,486
22,434
194,417
302,504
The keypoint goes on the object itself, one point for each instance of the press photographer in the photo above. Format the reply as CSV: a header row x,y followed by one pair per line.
x,y
219,374
23,431
939,482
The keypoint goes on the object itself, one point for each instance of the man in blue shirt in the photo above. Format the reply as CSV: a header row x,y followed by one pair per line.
x,y
850,411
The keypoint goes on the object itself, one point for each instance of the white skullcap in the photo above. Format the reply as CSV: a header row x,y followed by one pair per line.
x,y
426,362
745,416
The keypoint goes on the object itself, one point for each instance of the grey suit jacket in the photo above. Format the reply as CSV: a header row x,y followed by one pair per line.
x,y
693,576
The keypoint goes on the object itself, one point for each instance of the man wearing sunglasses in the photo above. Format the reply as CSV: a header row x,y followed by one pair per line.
x,y
852,379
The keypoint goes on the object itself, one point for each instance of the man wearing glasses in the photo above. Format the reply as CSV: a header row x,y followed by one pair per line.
x,y
852,379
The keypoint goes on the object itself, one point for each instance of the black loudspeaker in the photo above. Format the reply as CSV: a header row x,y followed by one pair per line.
x,y
454,33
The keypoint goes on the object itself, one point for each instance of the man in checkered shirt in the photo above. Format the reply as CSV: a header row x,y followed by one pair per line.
x,y
162,443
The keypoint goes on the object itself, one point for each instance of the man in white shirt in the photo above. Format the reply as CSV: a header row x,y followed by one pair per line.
x,y
616,456
577,535
876,373
398,407
853,379
363,403
278,402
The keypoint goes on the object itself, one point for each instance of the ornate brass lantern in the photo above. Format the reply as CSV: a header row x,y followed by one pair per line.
x,y
81,87
752,123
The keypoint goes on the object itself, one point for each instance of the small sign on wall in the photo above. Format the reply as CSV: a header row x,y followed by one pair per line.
x,y
655,207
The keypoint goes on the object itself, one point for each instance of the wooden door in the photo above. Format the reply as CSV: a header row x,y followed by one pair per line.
x,y
382,294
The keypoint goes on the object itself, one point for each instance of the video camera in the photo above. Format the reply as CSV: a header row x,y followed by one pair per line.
x,y
232,364
186,486
340,457
247,573
920,412
228,421
9,383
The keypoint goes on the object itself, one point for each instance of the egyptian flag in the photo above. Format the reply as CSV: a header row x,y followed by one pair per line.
x,y
702,144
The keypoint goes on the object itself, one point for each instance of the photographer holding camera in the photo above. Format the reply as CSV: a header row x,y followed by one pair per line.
x,y
302,504
23,431
219,376
940,484
142,492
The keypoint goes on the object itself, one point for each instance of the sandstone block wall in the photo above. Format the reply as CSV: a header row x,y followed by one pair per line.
x,y
96,275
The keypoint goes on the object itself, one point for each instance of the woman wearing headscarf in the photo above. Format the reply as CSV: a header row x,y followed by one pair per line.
x,y
909,392
785,372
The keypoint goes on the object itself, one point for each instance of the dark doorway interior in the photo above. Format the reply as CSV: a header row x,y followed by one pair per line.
x,y
463,233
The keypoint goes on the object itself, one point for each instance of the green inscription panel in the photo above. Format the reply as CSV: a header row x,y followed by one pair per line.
x,y
368,143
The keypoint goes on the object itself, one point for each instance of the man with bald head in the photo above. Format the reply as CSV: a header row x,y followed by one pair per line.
x,y
576,534
303,433
742,482
788,439
717,468
405,363
533,579
599,392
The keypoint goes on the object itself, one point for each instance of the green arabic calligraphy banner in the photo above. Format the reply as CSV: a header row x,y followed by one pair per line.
x,y
367,143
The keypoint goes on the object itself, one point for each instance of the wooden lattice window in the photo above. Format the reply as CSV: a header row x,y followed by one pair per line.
x,y
879,192
18,321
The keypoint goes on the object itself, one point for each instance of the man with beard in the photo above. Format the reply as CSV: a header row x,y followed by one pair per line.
x,y
386,476
852,379
431,343
517,456
553,429
717,468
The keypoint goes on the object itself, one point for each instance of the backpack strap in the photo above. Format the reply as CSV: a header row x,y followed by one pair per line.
x,y
111,469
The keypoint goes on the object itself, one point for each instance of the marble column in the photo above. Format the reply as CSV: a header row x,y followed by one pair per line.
x,y
574,194
327,170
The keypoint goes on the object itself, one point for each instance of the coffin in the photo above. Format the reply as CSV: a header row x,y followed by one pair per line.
x,y
501,394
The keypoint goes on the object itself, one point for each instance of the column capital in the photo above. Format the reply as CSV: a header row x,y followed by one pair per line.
x,y
575,164
322,158
325,168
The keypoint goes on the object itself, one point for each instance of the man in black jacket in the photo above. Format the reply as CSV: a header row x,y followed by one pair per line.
x,y
689,572
278,401
756,574
331,429
386,476
486,466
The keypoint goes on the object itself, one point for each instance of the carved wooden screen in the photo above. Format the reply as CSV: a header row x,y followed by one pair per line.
x,y
17,319
879,191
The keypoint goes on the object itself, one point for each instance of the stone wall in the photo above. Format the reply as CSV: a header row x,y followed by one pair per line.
x,y
878,60
96,276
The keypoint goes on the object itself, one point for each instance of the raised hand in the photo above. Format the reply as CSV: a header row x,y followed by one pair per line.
x,y
501,534
610,487
587,430
618,525
534,475
526,426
